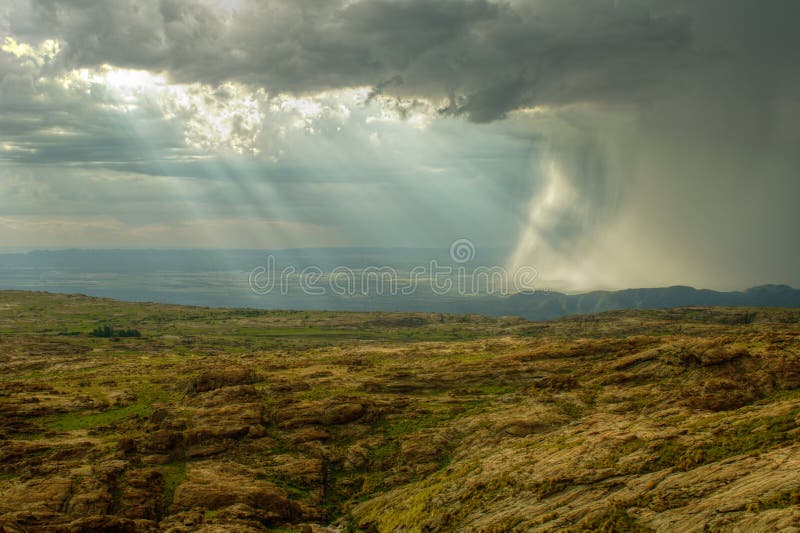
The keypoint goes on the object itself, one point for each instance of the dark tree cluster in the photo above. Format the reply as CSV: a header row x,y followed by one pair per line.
x,y
108,331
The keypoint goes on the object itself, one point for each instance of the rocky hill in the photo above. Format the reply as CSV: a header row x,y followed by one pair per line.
x,y
240,420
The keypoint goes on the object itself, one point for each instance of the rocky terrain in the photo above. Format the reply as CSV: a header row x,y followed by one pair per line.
x,y
242,420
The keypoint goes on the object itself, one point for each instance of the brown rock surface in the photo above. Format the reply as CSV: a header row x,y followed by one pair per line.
x,y
213,487
244,420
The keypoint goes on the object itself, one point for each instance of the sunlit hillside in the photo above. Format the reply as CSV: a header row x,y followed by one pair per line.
x,y
146,417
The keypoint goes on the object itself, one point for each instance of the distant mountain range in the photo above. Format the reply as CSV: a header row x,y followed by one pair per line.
x,y
219,278
545,305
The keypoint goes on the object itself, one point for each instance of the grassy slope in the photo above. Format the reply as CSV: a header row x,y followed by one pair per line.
x,y
464,422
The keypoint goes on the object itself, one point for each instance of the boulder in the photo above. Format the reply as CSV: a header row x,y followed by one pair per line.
x,y
308,435
41,494
356,457
343,413
100,523
299,469
523,428
141,494
213,487
229,422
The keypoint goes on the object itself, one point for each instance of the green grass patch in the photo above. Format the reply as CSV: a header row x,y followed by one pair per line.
x,y
296,332
174,475
778,500
668,454
571,409
618,452
612,519
752,436
494,390
294,491
80,420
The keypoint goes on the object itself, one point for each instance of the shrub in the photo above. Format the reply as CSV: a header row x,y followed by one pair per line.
x,y
108,331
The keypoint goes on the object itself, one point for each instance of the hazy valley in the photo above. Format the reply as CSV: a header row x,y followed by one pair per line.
x,y
220,278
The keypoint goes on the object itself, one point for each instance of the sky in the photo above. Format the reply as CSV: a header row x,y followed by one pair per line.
x,y
607,143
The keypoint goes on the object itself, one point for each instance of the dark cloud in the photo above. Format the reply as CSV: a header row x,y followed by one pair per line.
x,y
487,58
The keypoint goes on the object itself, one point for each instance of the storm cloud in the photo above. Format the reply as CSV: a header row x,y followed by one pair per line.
x,y
478,58
610,143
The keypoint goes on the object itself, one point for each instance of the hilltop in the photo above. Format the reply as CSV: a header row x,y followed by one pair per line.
x,y
237,419
546,305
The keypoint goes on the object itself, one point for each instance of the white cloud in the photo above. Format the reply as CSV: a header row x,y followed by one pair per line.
x,y
29,55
